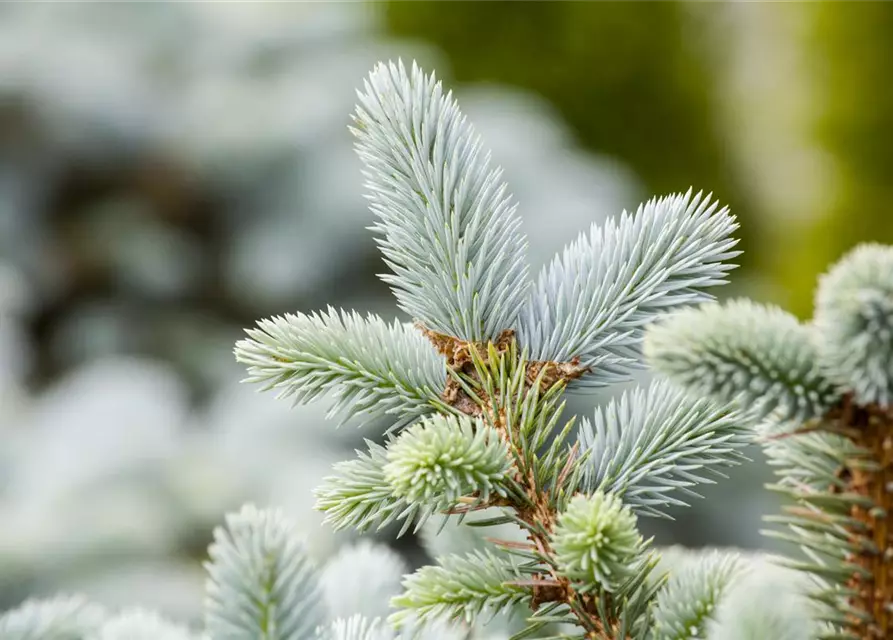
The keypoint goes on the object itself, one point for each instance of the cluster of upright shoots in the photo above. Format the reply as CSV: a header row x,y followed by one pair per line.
x,y
474,390
482,428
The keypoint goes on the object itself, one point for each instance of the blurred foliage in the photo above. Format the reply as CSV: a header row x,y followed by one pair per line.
x,y
850,51
633,80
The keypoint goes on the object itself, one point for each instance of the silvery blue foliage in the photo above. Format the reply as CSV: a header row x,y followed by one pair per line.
x,y
448,227
854,322
467,587
687,605
757,355
261,585
653,442
370,366
545,170
452,241
358,495
820,394
593,300
59,618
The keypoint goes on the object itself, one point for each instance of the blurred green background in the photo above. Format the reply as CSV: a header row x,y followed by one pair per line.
x,y
169,173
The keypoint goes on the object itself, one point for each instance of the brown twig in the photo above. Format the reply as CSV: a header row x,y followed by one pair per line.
x,y
872,431
538,514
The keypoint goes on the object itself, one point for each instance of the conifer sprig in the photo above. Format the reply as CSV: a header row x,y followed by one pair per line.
x,y
447,226
369,366
441,459
491,435
596,542
854,321
63,616
688,603
593,301
460,588
359,495
821,391
755,355
261,585
658,441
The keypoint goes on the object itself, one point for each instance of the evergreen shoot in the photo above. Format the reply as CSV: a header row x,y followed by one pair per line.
x,y
477,412
823,390
530,516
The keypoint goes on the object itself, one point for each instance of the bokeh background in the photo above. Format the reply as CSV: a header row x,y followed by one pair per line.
x,y
169,173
